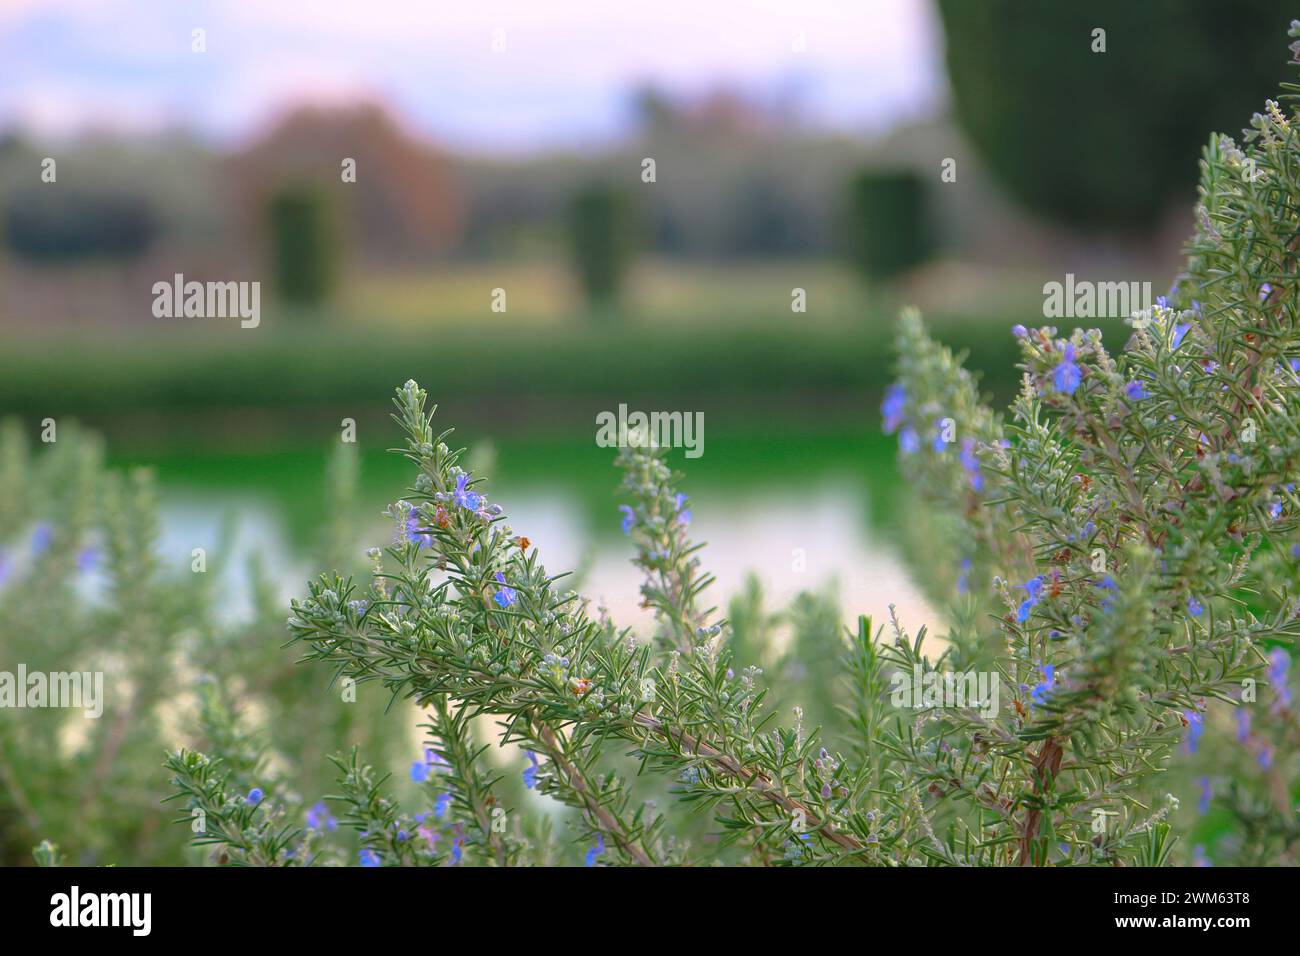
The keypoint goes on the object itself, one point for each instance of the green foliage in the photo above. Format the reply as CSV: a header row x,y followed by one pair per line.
x,y
1111,132
352,366
84,588
600,233
304,245
889,229
494,633
47,854
1134,520
56,765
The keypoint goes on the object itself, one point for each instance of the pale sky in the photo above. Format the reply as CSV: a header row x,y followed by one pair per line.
x,y
563,76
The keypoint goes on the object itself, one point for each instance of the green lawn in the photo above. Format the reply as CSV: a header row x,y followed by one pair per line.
x,y
236,386
717,339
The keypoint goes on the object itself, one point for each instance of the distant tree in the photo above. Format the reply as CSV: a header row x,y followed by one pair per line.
x,y
304,248
600,232
1105,139
652,108
404,204
889,230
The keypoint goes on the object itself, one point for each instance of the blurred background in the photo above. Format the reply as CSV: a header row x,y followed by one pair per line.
x,y
647,186
540,211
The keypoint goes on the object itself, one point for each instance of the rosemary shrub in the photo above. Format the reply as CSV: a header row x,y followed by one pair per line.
x,y
1127,544
85,590
1119,556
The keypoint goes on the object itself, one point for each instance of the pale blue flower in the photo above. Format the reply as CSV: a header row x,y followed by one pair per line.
x,y
369,858
971,464
530,772
1044,687
1279,662
422,770
1033,587
597,850
412,528
1195,727
939,445
1068,374
319,818
505,595
891,409
41,538
1107,583
463,496
963,578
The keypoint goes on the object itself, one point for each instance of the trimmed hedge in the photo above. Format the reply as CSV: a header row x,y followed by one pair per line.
x,y
889,228
600,233
304,246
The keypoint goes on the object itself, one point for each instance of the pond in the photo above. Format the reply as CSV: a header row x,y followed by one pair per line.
x,y
801,511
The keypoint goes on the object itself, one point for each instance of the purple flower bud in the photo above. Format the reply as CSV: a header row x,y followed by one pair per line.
x,y
891,409
1136,390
